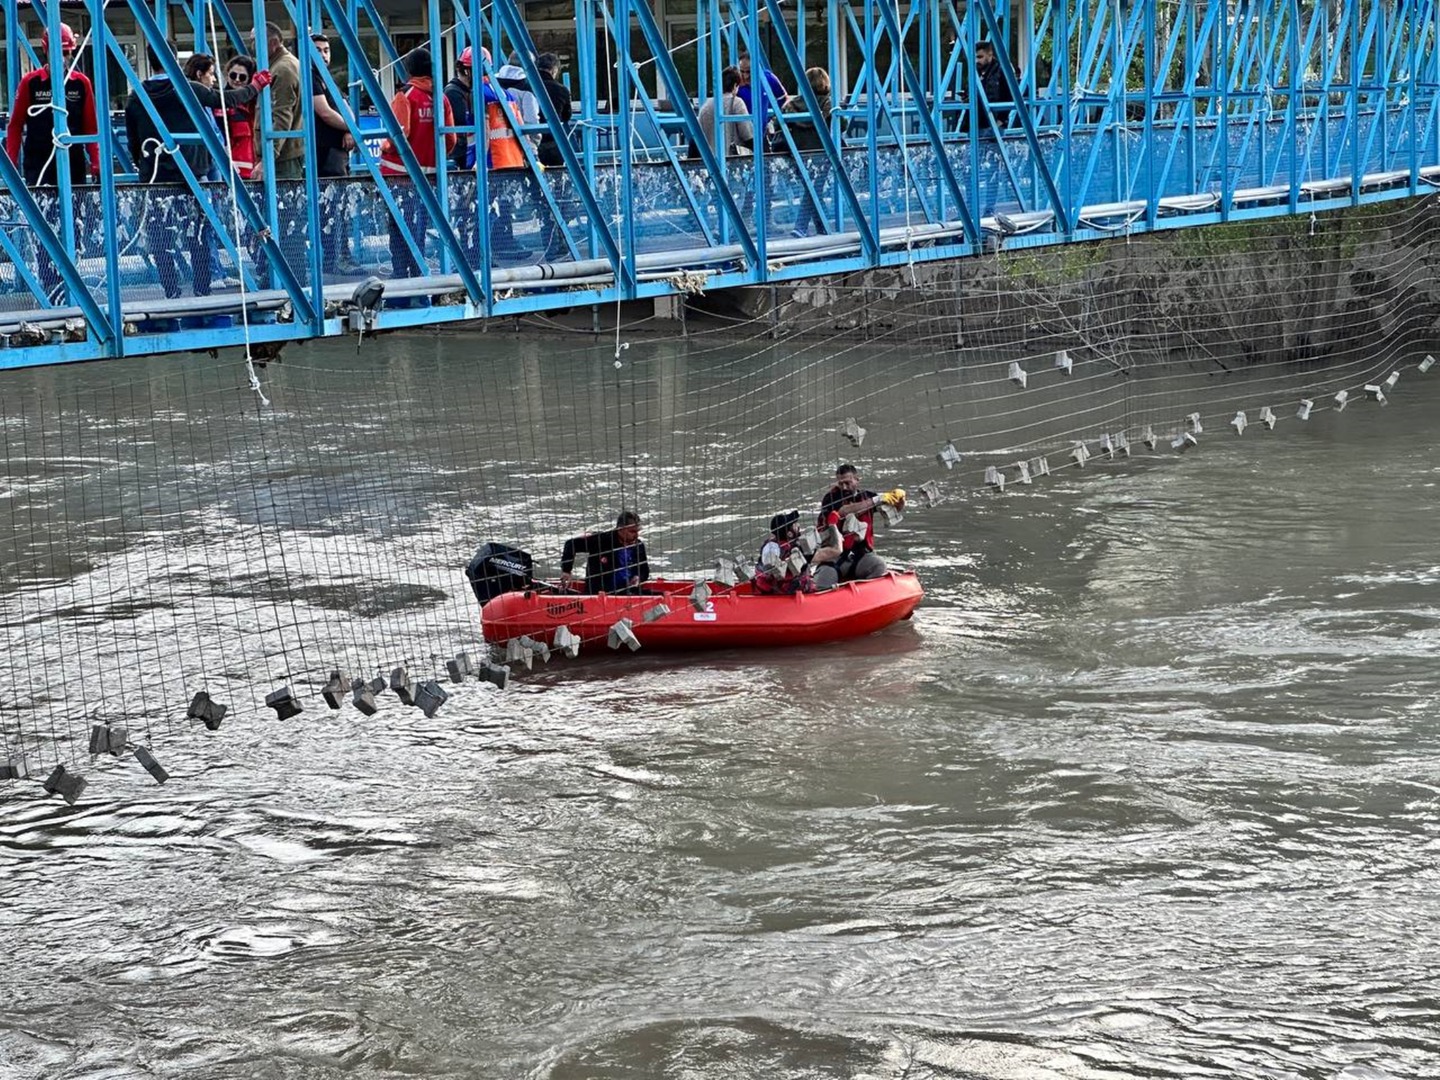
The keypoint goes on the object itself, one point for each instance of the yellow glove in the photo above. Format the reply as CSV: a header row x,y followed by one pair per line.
x,y
895,497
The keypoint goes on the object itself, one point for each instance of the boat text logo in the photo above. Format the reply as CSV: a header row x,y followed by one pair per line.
x,y
570,607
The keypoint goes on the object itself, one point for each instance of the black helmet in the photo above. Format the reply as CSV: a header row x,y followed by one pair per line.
x,y
781,522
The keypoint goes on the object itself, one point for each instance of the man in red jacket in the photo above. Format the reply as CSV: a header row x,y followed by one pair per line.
x,y
30,135
29,138
416,115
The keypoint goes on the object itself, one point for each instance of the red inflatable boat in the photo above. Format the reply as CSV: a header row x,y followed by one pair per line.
x,y
733,618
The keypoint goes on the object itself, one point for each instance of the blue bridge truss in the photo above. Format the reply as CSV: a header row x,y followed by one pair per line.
x,y
1107,116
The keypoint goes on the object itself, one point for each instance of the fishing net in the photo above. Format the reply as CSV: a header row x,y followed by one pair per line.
x,y
171,532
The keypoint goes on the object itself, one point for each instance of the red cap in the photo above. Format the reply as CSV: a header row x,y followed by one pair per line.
x,y
464,60
67,39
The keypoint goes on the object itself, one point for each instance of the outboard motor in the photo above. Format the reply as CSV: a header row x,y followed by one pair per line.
x,y
499,568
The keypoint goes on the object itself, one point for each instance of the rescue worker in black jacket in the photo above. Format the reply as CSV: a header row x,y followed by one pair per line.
x,y
615,560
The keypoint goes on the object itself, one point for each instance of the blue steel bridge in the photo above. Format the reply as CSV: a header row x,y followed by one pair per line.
x,y
1117,117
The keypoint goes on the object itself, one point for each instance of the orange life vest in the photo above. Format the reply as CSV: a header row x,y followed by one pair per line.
x,y
500,138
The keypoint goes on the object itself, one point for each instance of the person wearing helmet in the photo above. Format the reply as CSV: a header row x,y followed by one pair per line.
x,y
29,136
460,95
774,576
502,146
504,155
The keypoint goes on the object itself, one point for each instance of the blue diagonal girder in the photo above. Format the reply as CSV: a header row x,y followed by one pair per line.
x,y
1120,107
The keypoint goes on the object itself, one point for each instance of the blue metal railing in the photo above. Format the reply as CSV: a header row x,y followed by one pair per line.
x,y
1125,117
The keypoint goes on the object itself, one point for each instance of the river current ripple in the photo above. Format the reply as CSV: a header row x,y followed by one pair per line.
x,y
1148,788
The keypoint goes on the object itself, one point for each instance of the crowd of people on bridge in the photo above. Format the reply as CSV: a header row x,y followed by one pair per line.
x,y
256,136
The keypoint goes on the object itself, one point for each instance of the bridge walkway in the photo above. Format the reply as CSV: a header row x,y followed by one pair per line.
x,y
1095,121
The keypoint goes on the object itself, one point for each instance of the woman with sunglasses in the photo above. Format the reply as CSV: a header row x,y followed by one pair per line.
x,y
240,119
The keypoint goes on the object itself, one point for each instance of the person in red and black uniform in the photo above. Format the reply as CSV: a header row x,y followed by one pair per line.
x,y
773,575
29,136
615,560
858,560
414,109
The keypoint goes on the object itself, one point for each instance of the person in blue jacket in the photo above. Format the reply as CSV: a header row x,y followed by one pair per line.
x,y
615,560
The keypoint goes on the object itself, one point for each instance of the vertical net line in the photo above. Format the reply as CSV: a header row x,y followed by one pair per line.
x,y
113,650
63,589
386,635
96,703
120,577
222,538
165,523
200,655
363,639
13,608
124,592
454,431
615,175
110,473
263,498
41,688
421,464
393,635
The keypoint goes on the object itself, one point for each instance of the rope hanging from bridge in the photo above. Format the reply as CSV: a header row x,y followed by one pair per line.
x,y
237,234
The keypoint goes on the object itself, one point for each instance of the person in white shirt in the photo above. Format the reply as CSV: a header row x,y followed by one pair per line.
x,y
737,134
512,78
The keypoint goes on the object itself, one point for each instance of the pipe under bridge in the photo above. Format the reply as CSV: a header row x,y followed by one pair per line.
x,y
1107,116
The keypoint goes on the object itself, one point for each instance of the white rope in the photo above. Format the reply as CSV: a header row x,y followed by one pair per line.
x,y
400,59
154,147
1124,226
232,185
615,187
686,44
905,158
